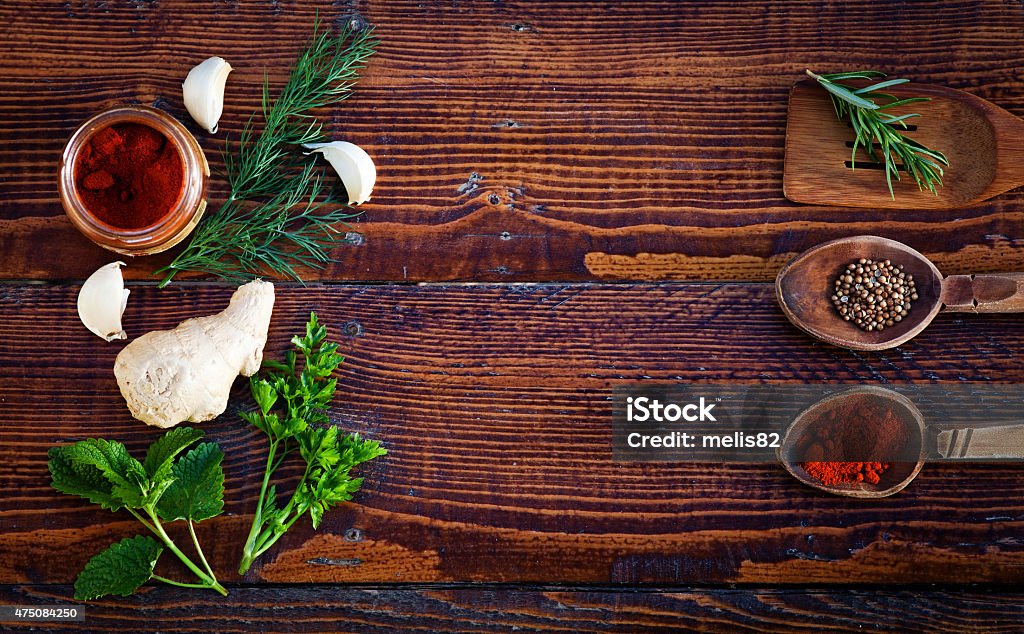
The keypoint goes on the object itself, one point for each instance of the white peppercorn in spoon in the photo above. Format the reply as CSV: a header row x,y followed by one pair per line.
x,y
805,285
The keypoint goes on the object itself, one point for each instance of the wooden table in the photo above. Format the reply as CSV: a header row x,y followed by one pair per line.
x,y
571,197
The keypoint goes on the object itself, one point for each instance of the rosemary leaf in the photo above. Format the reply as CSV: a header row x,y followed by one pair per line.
x,y
874,130
880,85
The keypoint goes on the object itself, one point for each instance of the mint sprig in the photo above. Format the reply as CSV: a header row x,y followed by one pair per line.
x,y
293,401
163,487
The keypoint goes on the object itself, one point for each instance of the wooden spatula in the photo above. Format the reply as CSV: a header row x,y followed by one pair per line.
x,y
983,142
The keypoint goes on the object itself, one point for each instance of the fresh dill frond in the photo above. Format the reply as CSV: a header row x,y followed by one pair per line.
x,y
875,129
279,216
293,227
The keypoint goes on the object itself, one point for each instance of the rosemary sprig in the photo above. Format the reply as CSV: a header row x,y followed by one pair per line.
x,y
875,129
279,215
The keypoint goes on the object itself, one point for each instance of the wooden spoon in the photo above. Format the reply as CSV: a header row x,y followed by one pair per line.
x,y
1003,442
983,142
804,289
894,479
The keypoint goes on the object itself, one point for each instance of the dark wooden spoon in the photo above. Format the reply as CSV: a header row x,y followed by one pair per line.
x,y
980,443
896,478
983,142
804,290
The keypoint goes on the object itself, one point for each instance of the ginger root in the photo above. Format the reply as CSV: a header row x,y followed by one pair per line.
x,y
185,374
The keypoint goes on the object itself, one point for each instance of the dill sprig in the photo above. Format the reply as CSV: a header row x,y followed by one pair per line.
x,y
279,215
285,230
875,129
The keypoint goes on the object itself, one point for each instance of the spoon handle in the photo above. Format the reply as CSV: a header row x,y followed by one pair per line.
x,y
1005,441
988,293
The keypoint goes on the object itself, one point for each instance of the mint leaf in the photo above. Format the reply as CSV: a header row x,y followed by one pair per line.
x,y
79,478
128,481
119,569
197,492
160,455
103,472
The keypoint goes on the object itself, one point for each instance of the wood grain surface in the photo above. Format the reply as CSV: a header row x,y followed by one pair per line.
x,y
319,608
518,141
549,147
493,402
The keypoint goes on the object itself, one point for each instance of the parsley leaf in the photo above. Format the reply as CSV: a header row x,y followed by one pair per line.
x,y
302,394
329,459
120,569
198,489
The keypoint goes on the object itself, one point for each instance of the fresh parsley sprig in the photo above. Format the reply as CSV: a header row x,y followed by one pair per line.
x,y
162,488
278,215
875,129
293,400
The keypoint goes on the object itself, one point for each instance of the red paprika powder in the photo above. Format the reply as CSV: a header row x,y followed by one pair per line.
x,y
129,175
870,432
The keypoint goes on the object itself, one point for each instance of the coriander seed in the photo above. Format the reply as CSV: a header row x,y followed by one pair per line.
x,y
873,295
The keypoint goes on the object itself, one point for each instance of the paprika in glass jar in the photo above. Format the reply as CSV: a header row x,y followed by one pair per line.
x,y
129,175
133,180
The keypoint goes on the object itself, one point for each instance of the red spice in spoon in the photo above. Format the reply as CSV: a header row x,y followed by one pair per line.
x,y
129,175
868,431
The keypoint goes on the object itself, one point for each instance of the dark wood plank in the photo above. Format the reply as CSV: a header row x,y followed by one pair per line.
x,y
319,608
520,142
494,404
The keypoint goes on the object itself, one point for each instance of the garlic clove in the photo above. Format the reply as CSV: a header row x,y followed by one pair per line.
x,y
203,92
353,165
102,301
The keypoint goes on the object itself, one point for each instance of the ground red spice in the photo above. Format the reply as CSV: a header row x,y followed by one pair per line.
x,y
129,175
863,431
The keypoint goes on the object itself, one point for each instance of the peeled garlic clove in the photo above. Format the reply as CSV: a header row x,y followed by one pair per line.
x,y
354,166
102,301
204,92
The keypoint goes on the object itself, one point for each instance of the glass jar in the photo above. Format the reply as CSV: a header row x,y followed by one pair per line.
x,y
172,227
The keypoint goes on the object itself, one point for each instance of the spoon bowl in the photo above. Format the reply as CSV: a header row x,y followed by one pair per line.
x,y
981,140
805,285
904,467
